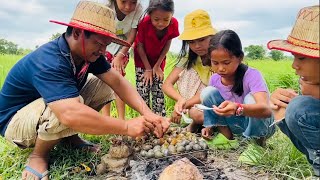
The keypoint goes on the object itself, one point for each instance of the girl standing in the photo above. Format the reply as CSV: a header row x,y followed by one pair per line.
x,y
238,94
192,72
128,13
155,33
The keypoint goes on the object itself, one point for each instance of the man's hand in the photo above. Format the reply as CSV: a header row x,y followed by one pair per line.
x,y
159,123
138,126
280,98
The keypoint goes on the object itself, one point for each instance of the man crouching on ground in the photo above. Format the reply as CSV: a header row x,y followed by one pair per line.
x,y
49,95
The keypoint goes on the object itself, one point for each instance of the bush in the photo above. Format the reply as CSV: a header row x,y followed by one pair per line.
x,y
255,52
276,55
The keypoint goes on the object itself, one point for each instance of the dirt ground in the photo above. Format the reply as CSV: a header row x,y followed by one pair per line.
x,y
226,161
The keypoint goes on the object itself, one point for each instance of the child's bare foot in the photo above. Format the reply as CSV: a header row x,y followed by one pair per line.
x,y
194,128
36,168
207,133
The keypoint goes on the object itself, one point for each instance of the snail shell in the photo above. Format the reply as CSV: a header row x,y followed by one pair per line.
x,y
146,147
157,148
137,149
156,141
143,153
196,147
150,154
188,147
203,145
180,149
158,154
172,149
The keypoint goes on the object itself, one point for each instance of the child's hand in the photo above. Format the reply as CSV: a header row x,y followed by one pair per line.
x,y
147,77
175,117
279,113
226,108
117,64
281,98
179,106
157,72
207,132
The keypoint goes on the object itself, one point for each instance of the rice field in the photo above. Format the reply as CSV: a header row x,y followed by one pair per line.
x,y
281,159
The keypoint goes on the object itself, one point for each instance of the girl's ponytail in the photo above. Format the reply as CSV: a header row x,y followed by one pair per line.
x,y
238,80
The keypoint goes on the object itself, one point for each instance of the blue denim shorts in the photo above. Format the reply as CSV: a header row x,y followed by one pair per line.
x,y
247,126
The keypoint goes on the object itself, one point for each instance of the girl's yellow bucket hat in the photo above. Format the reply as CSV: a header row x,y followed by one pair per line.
x,y
197,24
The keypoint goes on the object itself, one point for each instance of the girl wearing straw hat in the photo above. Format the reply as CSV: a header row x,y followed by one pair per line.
x,y
155,33
49,97
297,115
192,72
128,13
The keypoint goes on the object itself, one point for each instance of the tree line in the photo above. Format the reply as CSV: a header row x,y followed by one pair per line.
x,y
8,47
254,52
259,52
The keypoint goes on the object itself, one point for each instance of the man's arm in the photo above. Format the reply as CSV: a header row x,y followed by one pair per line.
x,y
124,90
130,96
79,117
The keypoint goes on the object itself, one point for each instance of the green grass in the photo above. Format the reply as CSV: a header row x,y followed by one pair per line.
x,y
276,73
6,63
281,158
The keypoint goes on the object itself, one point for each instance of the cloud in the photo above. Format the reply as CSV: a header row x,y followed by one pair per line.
x,y
31,7
233,25
256,22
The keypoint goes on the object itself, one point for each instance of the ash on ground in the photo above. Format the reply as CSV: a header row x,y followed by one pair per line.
x,y
150,170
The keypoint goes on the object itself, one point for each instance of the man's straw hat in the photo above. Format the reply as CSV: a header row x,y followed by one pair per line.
x,y
197,24
304,37
94,17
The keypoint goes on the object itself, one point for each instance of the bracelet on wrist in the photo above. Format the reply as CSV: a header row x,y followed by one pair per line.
x,y
148,70
239,110
121,53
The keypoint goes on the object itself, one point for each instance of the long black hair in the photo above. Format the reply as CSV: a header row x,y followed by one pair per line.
x,y
230,41
192,56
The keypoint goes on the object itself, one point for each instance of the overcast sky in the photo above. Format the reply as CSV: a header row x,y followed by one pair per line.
x,y
256,21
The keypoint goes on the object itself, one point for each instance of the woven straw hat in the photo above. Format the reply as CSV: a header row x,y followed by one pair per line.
x,y
94,17
304,37
197,24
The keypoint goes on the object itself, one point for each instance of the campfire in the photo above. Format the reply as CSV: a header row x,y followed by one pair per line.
x,y
178,153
